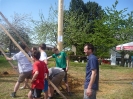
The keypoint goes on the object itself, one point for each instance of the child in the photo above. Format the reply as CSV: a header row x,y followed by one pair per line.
x,y
26,80
43,58
39,69
24,67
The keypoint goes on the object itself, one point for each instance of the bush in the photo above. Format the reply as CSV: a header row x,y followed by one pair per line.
x,y
69,53
79,58
48,52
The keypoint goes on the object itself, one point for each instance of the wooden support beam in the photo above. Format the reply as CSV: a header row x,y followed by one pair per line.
x,y
59,92
6,56
15,31
8,34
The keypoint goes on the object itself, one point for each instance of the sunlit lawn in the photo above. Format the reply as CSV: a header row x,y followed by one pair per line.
x,y
115,82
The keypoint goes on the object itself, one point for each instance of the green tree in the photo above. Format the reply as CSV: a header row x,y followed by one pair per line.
x,y
45,30
79,23
19,23
113,29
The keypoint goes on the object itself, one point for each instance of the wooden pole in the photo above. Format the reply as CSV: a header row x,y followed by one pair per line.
x,y
14,30
57,89
60,25
6,56
8,34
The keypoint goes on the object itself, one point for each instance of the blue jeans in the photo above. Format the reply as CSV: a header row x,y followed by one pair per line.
x,y
93,96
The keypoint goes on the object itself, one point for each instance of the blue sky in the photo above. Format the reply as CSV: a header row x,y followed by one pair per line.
x,y
33,7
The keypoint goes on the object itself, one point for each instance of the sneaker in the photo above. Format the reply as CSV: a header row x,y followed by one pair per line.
x,y
13,94
22,88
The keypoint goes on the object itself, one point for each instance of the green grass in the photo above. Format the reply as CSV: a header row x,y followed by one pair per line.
x,y
3,62
115,81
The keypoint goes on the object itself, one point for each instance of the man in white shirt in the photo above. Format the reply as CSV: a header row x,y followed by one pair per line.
x,y
24,67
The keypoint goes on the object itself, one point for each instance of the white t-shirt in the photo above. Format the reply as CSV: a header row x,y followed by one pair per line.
x,y
24,65
43,56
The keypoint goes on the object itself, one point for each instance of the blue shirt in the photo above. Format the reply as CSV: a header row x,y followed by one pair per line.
x,y
92,64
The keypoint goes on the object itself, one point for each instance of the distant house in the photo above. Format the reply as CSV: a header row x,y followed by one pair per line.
x,y
48,46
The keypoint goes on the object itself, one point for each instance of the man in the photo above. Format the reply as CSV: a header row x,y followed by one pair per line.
x,y
56,75
62,61
92,73
39,69
24,66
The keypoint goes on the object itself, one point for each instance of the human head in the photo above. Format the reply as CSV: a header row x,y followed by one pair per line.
x,y
22,46
35,55
88,49
55,50
42,47
34,49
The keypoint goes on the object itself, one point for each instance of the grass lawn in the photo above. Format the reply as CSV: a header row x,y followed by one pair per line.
x,y
115,82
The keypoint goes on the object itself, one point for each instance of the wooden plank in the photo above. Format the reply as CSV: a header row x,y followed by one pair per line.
x,y
15,31
8,34
59,92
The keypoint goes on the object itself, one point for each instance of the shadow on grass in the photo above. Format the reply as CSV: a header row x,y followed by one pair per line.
x,y
119,81
5,80
8,76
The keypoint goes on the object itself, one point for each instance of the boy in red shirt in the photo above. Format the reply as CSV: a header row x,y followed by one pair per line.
x,y
39,69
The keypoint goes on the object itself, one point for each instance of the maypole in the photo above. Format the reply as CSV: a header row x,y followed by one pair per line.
x,y
60,25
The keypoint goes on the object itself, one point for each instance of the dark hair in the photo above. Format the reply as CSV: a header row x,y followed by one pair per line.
x,y
22,46
43,46
36,54
34,48
54,49
90,46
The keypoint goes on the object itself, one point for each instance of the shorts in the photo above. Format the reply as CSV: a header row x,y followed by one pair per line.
x,y
22,76
65,77
45,86
56,80
36,93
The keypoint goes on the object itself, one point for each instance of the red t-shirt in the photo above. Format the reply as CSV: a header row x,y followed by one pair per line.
x,y
42,69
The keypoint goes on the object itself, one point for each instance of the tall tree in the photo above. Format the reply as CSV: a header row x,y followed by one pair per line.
x,y
120,27
45,30
21,27
79,22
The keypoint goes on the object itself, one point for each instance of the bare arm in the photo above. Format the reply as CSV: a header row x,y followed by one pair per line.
x,y
9,59
67,60
34,76
49,57
46,62
93,77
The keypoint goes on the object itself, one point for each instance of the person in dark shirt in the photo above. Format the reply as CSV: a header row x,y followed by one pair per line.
x,y
92,73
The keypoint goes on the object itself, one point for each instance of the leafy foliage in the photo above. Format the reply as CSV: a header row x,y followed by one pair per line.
x,y
22,29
